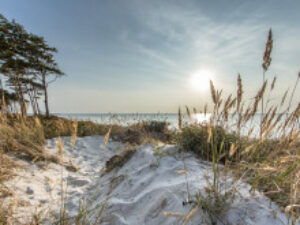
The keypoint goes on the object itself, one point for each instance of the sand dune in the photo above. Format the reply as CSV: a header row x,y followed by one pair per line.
x,y
138,193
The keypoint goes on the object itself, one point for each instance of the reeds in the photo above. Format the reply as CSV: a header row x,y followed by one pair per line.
x,y
213,92
278,139
106,138
60,147
173,214
188,112
293,92
272,122
267,54
239,103
190,215
3,103
74,134
179,119
265,65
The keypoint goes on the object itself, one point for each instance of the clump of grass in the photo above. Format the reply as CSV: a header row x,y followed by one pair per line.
x,y
196,138
173,214
60,147
190,215
74,133
179,119
155,126
145,132
118,161
271,164
23,137
106,138
130,135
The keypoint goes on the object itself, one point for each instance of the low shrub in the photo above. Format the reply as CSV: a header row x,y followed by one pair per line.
x,y
22,136
195,138
155,126
54,126
129,135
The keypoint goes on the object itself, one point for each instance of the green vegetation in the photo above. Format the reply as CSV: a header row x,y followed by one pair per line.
x,y
55,126
27,62
270,165
144,132
155,126
196,139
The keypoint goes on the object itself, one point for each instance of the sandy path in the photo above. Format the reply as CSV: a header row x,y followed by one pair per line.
x,y
138,193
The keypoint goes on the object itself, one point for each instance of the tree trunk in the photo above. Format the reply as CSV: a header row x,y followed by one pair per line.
x,y
31,98
46,94
36,102
21,99
38,108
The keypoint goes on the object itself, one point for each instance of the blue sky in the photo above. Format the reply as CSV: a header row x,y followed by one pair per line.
x,y
139,56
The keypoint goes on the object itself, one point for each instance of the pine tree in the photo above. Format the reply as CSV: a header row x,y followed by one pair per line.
x,y
26,61
45,65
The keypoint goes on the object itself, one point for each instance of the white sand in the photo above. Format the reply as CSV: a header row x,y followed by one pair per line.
x,y
136,194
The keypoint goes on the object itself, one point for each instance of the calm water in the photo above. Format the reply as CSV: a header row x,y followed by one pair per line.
x,y
125,118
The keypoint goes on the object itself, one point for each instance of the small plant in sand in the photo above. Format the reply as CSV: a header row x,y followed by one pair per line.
x,y
159,153
179,119
60,147
106,138
74,133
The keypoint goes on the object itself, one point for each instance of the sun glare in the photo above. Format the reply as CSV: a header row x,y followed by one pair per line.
x,y
199,81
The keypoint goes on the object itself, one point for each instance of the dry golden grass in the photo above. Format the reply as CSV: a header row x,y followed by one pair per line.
x,y
106,138
179,119
259,156
271,164
173,214
60,147
190,215
74,133
181,172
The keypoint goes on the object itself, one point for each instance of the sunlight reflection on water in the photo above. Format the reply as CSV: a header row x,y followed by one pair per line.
x,y
201,118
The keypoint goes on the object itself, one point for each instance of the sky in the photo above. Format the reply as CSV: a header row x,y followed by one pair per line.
x,y
124,56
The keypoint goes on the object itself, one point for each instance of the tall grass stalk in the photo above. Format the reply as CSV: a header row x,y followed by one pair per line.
x,y
265,65
179,119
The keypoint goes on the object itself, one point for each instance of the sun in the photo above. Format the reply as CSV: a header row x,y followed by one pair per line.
x,y
199,80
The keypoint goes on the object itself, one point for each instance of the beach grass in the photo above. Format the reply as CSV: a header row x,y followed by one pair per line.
x,y
268,163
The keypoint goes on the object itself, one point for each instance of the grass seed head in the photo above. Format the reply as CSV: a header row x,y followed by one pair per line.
x,y
60,146
267,55
190,215
179,119
74,133
106,138
173,214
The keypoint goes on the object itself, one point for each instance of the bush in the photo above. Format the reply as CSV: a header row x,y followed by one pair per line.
x,y
54,126
88,128
155,126
23,136
194,139
58,127
144,132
